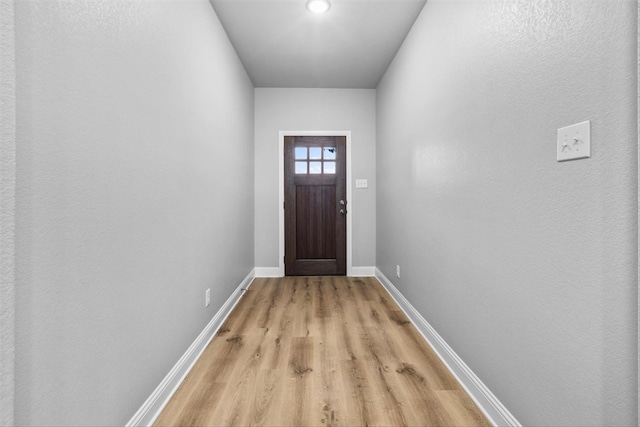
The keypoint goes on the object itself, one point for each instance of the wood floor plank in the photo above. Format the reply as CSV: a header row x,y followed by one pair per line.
x,y
319,351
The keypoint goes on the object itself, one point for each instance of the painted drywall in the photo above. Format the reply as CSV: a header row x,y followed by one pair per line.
x,y
280,109
527,267
134,195
7,211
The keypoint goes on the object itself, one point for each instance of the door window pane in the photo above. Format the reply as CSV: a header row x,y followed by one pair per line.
x,y
315,167
315,153
330,167
301,153
301,167
329,153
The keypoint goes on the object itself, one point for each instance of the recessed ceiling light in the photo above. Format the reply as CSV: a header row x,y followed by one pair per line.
x,y
318,6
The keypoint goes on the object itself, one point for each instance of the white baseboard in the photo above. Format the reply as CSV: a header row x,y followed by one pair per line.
x,y
276,272
268,272
494,410
149,411
362,272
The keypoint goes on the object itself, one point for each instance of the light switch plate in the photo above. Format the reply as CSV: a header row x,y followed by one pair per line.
x,y
361,183
574,142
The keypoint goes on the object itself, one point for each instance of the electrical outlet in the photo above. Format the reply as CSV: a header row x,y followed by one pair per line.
x,y
207,297
398,271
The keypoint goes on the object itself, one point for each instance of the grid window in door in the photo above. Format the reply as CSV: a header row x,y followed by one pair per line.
x,y
315,160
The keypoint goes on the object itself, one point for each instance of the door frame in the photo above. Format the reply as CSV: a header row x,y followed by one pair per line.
x,y
350,208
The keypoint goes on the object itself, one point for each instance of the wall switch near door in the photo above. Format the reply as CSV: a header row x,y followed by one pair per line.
x,y
398,271
207,297
362,183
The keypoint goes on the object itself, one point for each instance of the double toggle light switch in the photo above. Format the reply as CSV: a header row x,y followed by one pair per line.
x,y
574,142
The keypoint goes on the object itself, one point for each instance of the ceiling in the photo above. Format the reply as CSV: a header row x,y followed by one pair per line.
x,y
282,44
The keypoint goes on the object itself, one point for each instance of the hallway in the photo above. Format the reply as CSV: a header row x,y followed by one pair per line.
x,y
141,189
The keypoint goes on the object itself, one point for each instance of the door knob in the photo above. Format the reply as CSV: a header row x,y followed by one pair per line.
x,y
343,211
342,203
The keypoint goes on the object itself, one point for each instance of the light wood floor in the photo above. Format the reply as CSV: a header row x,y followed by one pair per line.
x,y
319,351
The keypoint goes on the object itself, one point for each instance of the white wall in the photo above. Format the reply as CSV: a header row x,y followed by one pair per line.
x,y
7,211
526,266
314,110
134,195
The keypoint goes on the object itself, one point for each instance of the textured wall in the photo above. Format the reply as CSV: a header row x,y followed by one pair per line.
x,y
314,110
7,210
134,195
527,267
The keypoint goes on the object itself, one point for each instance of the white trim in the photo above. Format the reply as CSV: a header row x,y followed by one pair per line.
x,y
282,134
149,411
493,409
363,272
268,272
7,211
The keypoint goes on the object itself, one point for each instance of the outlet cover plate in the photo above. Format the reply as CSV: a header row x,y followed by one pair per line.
x,y
574,142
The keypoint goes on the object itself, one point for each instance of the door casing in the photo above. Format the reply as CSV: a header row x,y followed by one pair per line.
x,y
347,135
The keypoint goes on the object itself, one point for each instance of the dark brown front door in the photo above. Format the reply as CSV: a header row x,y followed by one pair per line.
x,y
315,171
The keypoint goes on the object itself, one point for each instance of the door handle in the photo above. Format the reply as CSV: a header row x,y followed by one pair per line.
x,y
342,203
343,211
